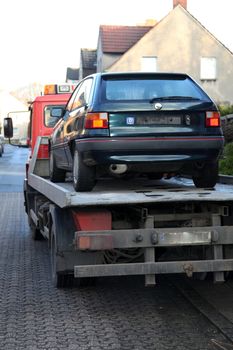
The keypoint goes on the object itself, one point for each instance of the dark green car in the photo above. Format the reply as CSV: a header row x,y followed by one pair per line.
x,y
137,123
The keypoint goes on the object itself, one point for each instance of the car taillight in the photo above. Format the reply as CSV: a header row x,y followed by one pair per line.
x,y
212,119
96,121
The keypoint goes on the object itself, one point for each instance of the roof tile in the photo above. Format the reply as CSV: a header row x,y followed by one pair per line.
x,y
118,39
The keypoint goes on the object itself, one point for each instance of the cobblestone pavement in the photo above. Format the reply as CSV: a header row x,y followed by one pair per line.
x,y
115,314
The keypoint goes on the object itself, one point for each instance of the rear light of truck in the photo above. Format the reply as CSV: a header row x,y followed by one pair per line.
x,y
43,152
92,219
212,119
96,121
87,223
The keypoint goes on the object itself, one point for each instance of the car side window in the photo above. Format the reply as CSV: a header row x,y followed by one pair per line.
x,y
71,100
83,94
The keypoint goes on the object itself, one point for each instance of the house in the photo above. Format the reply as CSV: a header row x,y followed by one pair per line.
x,y
87,62
114,41
178,43
72,75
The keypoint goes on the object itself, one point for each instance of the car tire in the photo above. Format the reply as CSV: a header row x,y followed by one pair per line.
x,y
83,175
55,174
207,175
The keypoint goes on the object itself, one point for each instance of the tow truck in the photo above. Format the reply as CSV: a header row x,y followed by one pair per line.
x,y
41,121
126,227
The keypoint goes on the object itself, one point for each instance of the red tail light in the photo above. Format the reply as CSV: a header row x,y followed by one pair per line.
x,y
212,119
43,152
96,121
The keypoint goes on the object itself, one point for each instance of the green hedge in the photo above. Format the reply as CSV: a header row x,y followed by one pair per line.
x,y
226,162
225,109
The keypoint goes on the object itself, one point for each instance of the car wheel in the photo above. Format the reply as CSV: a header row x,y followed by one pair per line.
x,y
55,174
207,176
83,175
1,152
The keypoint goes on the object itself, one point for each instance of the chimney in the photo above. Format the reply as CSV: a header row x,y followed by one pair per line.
x,y
183,3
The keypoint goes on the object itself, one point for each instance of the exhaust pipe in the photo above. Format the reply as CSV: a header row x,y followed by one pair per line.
x,y
118,169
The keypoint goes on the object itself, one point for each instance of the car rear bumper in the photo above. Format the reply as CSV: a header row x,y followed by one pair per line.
x,y
155,149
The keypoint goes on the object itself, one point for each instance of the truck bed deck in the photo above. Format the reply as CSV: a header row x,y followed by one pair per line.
x,y
115,192
110,191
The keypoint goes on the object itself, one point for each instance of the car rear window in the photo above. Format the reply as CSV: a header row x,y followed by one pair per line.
x,y
148,88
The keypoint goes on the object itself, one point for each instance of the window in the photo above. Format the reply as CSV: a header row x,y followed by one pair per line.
x,y
72,98
208,68
83,94
146,88
149,64
50,121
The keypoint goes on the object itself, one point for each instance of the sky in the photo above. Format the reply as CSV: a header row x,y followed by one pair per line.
x,y
40,38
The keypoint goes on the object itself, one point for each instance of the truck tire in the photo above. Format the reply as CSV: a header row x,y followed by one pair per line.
x,y
63,279
35,232
55,174
207,175
83,175
60,279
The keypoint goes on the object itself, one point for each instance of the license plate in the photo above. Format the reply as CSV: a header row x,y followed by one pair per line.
x,y
159,120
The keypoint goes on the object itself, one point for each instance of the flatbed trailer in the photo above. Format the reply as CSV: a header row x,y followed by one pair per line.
x,y
129,227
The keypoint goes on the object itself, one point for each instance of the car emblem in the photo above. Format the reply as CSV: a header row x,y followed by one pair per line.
x,y
158,106
130,120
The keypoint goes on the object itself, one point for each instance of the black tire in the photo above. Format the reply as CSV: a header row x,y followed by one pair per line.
x,y
83,175
55,174
35,232
207,175
64,279
60,279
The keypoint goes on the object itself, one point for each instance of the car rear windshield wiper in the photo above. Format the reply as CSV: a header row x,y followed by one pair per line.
x,y
181,98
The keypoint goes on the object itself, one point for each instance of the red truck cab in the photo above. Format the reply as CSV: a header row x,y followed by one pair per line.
x,y
41,120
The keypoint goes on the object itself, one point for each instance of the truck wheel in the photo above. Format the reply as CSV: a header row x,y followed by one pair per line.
x,y
62,279
59,279
83,175
207,175
55,174
35,232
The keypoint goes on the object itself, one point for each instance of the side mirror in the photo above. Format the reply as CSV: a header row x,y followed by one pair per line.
x,y
8,127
